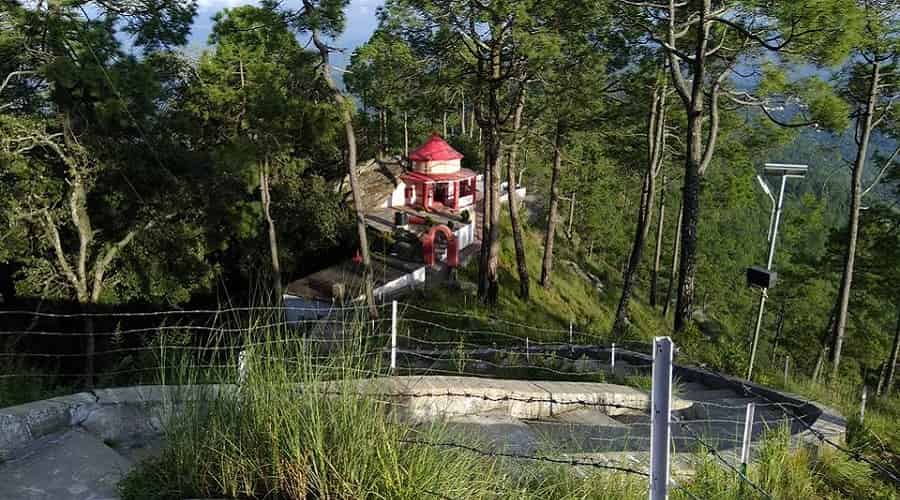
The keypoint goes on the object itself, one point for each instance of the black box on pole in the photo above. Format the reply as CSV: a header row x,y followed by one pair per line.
x,y
761,277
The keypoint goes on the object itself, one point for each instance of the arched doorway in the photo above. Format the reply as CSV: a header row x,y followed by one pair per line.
x,y
440,245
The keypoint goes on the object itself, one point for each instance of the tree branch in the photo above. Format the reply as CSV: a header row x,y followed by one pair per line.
x,y
713,132
53,234
110,253
14,74
881,172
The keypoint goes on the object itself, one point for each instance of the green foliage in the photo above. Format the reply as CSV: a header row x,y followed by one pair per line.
x,y
160,139
827,110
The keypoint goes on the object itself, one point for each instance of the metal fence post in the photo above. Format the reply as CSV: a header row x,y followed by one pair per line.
x,y
393,335
862,406
527,351
571,331
748,437
660,417
612,358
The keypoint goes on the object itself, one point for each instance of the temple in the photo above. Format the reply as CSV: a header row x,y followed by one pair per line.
x,y
437,181
420,215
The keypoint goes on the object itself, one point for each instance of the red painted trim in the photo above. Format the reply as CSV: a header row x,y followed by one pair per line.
x,y
461,175
452,246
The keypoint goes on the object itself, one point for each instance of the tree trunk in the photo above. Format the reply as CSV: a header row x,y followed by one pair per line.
x,y
347,118
645,208
547,263
492,145
444,124
673,269
489,285
690,208
820,363
90,344
825,343
892,360
485,232
655,146
513,202
779,329
571,216
490,126
697,154
855,200
660,226
380,152
405,134
462,116
487,188
265,198
367,123
387,132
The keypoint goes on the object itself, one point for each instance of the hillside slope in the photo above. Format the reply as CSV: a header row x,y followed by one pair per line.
x,y
583,292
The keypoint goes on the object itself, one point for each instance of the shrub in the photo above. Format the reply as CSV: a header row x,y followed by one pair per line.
x,y
297,429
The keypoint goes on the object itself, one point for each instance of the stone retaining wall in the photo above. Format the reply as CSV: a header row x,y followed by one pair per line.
x,y
118,414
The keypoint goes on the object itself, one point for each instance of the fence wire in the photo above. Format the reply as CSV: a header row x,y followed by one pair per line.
x,y
819,435
367,344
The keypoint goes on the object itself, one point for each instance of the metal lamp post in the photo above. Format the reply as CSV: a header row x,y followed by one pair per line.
x,y
784,171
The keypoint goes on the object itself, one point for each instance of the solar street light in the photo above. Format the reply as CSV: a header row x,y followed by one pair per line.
x,y
757,276
785,169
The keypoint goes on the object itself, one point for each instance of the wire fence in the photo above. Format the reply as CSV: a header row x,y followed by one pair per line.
x,y
407,339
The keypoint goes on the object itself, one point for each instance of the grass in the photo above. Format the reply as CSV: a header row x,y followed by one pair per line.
x,y
878,437
298,429
270,440
570,300
286,435
788,473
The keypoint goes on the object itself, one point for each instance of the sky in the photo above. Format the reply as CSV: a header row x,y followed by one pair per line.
x,y
361,22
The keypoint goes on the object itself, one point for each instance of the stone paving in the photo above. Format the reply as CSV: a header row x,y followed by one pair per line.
x,y
79,446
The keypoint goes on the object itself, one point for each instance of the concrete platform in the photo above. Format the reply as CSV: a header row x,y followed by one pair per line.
x,y
427,397
79,446
74,465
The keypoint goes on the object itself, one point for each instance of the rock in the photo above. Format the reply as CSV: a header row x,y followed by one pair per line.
x,y
73,465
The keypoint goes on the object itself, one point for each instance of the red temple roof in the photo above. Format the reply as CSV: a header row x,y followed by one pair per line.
x,y
435,149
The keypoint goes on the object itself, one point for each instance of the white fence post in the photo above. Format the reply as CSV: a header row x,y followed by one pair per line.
x,y
242,367
393,335
612,358
660,416
571,331
527,351
787,364
862,406
748,437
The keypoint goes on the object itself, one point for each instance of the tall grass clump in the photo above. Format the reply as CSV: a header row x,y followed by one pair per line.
x,y
299,427
788,473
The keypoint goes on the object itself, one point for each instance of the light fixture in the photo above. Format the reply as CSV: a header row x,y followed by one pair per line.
x,y
785,169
